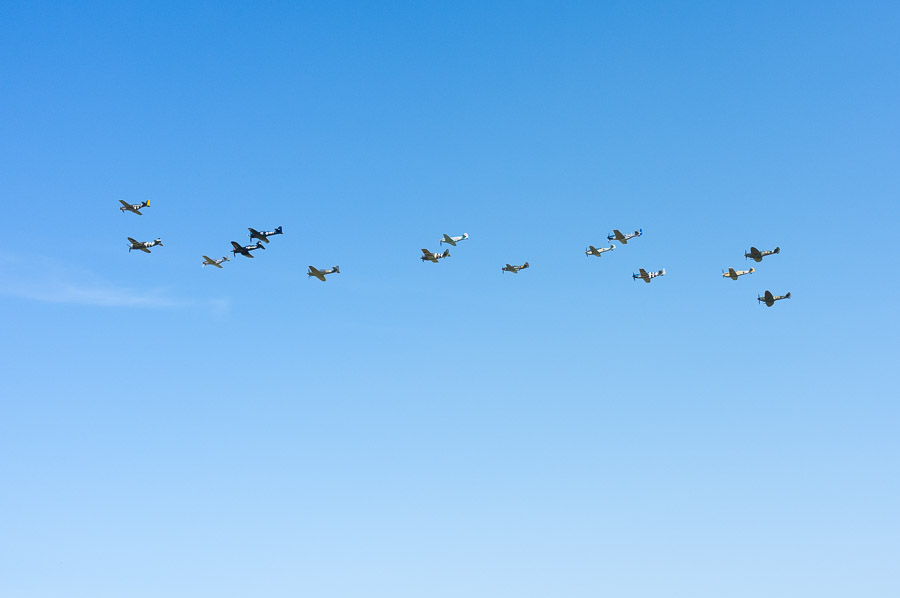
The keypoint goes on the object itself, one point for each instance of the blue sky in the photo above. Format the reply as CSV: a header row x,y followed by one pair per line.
x,y
411,429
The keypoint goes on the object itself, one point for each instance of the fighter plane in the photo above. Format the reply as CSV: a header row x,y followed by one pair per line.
x,y
208,261
133,207
591,250
733,274
428,256
143,246
648,276
758,255
264,235
321,274
623,239
246,249
515,269
454,240
769,299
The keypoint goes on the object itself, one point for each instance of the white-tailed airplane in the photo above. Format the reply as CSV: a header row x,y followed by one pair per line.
x,y
428,256
769,299
264,235
756,255
133,207
143,245
623,239
454,240
648,276
321,274
515,269
733,274
591,250
208,261
246,249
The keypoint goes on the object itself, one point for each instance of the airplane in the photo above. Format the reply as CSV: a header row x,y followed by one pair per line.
x,y
245,250
320,274
133,207
428,256
758,255
143,246
591,250
264,235
648,276
769,299
623,239
733,274
208,261
454,240
515,269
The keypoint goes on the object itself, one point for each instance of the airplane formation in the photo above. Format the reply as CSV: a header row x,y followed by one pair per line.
x,y
429,256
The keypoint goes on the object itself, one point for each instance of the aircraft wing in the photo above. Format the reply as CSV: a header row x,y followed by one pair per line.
x,y
732,273
237,247
144,249
134,242
426,252
126,205
449,239
619,236
209,259
317,273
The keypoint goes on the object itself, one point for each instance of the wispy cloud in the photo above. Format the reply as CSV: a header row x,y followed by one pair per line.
x,y
45,279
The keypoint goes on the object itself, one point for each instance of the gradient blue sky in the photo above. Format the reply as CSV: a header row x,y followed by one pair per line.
x,y
410,429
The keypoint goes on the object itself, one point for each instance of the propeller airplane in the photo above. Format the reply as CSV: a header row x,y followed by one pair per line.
x,y
769,299
133,207
758,255
515,269
648,276
321,274
428,256
623,239
591,250
208,261
263,235
454,240
246,249
733,274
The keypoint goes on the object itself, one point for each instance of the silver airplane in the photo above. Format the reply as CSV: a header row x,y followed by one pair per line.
x,y
591,250
246,249
769,299
143,245
428,256
454,240
208,261
321,274
758,255
515,269
264,235
733,274
623,239
133,207
648,276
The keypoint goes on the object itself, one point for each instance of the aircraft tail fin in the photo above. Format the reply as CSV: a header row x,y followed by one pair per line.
x,y
526,265
788,295
446,253
337,269
777,250
662,272
147,204
278,231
